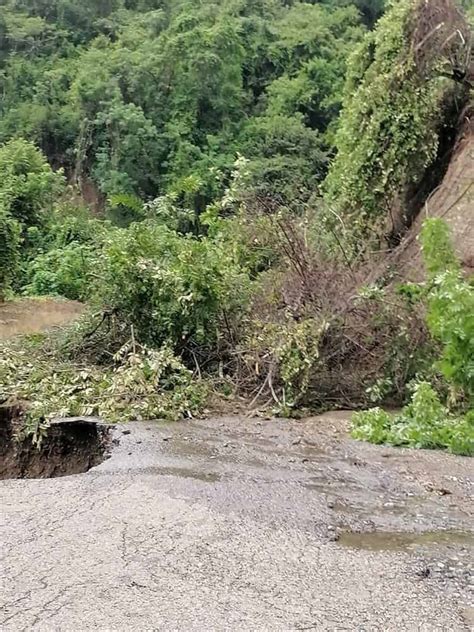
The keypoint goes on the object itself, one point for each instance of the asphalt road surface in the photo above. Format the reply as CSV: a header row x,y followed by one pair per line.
x,y
239,524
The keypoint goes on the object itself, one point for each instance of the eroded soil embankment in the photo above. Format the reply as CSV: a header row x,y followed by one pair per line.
x,y
70,446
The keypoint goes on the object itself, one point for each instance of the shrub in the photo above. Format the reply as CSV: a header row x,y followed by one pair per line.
x,y
63,254
450,301
424,423
68,271
173,289
9,250
70,222
28,185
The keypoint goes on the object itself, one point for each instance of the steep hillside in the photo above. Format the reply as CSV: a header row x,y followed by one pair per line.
x,y
453,201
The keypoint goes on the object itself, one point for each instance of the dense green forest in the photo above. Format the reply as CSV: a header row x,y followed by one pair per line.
x,y
211,179
148,98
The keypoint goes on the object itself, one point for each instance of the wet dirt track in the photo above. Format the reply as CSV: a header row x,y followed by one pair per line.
x,y
34,315
237,524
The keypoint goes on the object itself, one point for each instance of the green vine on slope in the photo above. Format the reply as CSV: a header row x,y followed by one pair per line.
x,y
394,106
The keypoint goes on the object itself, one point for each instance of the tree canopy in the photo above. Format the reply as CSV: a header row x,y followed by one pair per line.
x,y
140,95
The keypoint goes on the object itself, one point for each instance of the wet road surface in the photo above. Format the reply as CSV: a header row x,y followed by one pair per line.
x,y
242,524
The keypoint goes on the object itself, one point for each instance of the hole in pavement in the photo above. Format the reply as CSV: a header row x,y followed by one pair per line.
x,y
399,541
71,446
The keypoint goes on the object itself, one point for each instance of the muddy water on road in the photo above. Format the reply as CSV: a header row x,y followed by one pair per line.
x,y
28,316
393,541
309,475
349,485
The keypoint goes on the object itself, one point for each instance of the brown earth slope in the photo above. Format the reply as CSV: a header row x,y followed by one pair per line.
x,y
453,201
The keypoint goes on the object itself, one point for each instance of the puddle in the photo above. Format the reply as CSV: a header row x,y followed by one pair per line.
x,y
363,508
28,316
181,472
72,446
399,541
193,447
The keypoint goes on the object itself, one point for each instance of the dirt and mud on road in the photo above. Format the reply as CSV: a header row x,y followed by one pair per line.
x,y
242,524
34,315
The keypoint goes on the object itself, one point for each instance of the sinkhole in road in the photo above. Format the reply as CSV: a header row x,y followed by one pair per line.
x,y
70,446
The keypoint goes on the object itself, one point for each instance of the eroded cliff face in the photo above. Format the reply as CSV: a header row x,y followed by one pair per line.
x,y
453,201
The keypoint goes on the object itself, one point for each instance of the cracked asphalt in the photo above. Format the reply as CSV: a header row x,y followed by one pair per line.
x,y
242,524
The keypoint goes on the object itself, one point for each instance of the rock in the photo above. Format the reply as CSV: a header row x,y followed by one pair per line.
x,y
443,491
126,432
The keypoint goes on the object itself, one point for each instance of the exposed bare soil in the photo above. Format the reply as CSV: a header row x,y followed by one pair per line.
x,y
28,316
71,446
452,201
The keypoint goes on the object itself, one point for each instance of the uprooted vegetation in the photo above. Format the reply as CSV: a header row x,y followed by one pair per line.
x,y
257,287
287,347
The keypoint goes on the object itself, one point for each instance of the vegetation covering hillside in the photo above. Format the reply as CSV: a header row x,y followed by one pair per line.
x,y
213,179
146,98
